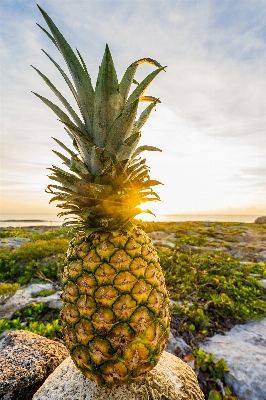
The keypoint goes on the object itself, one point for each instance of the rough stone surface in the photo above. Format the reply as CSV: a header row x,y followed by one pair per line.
x,y
27,358
263,282
260,220
13,242
244,350
162,238
23,297
171,379
177,346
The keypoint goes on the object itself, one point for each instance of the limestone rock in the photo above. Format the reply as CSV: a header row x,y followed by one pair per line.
x,y
23,297
162,238
263,282
260,220
13,242
171,379
244,350
26,359
177,346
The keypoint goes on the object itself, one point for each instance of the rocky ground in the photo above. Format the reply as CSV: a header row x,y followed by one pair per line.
x,y
243,346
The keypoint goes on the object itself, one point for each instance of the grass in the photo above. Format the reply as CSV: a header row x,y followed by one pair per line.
x,y
213,288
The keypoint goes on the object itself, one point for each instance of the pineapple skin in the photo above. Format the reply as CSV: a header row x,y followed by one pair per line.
x,y
115,314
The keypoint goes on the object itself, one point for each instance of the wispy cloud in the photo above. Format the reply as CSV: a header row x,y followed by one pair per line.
x,y
211,123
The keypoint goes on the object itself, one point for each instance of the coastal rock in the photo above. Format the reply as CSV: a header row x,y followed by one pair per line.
x,y
162,238
26,359
171,379
244,350
178,346
23,297
262,255
13,242
263,282
260,220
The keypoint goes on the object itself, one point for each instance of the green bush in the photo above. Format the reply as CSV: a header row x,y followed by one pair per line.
x,y
18,232
192,240
49,330
44,293
212,288
23,264
33,311
8,289
39,249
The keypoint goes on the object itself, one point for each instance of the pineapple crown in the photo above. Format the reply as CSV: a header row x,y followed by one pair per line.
x,y
108,179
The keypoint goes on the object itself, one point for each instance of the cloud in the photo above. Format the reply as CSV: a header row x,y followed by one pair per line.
x,y
211,123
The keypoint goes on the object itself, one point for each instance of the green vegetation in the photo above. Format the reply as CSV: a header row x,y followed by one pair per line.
x,y
191,240
49,330
40,255
206,365
213,289
18,232
7,290
32,311
43,293
30,318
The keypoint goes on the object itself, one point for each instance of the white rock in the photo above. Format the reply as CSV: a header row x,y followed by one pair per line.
x,y
23,297
34,288
263,282
262,255
162,238
171,379
177,346
244,350
13,242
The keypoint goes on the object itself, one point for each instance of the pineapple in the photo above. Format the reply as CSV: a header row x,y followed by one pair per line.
x,y
115,304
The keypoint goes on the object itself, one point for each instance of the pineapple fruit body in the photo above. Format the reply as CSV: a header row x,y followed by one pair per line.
x,y
115,305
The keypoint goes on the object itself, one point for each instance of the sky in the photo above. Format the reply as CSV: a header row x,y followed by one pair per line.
x,y
210,125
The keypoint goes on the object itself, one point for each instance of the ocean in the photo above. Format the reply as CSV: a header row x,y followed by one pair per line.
x,y
21,220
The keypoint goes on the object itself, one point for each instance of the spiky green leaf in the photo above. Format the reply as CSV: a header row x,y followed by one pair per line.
x,y
148,99
64,147
80,77
78,166
122,127
67,80
64,158
128,78
63,101
96,165
140,89
107,99
144,148
61,114
145,115
82,62
48,34
127,148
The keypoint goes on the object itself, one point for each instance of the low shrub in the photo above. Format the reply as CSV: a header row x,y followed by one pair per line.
x,y
7,290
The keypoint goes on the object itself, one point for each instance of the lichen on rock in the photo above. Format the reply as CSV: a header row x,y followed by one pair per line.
x,y
27,358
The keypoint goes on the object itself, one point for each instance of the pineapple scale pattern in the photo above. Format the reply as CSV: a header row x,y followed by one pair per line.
x,y
115,306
